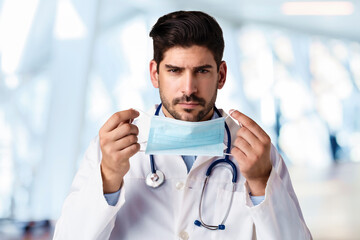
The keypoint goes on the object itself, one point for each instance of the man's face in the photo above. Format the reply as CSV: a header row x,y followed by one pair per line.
x,y
188,81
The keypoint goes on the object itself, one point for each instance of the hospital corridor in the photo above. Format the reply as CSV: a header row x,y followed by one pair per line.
x,y
76,73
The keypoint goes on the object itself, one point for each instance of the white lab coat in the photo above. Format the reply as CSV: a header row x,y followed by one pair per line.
x,y
169,211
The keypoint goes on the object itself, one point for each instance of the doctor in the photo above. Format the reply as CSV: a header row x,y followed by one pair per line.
x,y
109,197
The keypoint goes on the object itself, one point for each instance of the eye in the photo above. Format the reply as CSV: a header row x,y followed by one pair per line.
x,y
173,70
202,71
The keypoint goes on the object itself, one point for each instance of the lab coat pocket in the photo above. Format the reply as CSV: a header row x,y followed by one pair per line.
x,y
238,224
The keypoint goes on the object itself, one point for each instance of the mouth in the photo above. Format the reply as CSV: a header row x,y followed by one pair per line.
x,y
189,105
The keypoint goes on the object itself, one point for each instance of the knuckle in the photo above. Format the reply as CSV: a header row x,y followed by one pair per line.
x,y
130,139
117,115
251,124
126,165
126,127
261,148
267,140
234,151
112,148
133,138
102,134
118,156
257,157
103,141
134,148
136,129
254,157
238,141
107,149
240,131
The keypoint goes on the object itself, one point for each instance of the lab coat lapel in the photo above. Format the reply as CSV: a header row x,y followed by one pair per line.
x,y
173,166
200,162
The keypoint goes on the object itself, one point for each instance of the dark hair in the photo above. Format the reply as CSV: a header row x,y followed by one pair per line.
x,y
185,29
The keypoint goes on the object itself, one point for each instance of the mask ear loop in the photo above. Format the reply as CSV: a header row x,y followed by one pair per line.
x,y
149,116
231,111
139,110
240,125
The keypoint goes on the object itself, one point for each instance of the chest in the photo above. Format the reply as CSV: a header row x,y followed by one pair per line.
x,y
171,209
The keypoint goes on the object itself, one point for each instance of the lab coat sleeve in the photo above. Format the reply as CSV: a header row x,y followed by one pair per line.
x,y
279,215
86,213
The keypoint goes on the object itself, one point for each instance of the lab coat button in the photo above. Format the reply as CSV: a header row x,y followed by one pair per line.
x,y
179,185
183,235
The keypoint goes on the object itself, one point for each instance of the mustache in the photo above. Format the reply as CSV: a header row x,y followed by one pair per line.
x,y
191,98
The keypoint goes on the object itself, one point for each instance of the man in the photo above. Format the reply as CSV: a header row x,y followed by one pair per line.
x,y
109,197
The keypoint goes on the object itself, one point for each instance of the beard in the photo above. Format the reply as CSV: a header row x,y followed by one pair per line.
x,y
169,105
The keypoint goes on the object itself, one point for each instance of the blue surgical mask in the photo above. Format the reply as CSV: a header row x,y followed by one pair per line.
x,y
175,137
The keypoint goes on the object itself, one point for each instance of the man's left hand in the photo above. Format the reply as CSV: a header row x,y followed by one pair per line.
x,y
251,149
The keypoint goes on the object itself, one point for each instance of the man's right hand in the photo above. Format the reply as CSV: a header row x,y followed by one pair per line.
x,y
118,142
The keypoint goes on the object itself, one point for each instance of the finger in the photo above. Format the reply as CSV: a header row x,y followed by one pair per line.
x,y
119,117
130,150
239,155
125,142
123,130
250,137
249,124
243,145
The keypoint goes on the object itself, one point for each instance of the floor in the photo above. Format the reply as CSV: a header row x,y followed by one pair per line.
x,y
329,199
41,230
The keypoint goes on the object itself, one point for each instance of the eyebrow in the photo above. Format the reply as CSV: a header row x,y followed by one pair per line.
x,y
198,67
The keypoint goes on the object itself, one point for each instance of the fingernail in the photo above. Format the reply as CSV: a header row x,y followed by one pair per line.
x,y
135,110
231,111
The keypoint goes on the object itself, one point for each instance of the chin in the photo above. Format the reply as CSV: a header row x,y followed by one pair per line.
x,y
187,116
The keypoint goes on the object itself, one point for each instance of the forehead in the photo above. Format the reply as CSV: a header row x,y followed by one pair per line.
x,y
188,56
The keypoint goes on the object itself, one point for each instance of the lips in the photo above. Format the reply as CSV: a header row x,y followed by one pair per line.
x,y
189,104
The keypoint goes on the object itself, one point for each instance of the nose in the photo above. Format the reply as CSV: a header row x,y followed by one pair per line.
x,y
189,84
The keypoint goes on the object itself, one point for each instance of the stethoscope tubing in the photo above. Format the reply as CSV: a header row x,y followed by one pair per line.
x,y
156,178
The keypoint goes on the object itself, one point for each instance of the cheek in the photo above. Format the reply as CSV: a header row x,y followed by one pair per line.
x,y
169,85
168,90
208,86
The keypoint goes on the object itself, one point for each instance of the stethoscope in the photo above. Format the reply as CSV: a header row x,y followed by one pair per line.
x,y
156,178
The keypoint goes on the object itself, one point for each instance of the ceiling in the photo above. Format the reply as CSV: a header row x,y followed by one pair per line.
x,y
239,12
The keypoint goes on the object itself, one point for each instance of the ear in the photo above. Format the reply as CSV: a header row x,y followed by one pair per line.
x,y
222,74
154,74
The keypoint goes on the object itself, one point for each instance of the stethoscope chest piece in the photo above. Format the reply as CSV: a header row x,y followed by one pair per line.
x,y
155,180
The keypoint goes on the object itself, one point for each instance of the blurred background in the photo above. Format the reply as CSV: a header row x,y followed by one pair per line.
x,y
67,65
